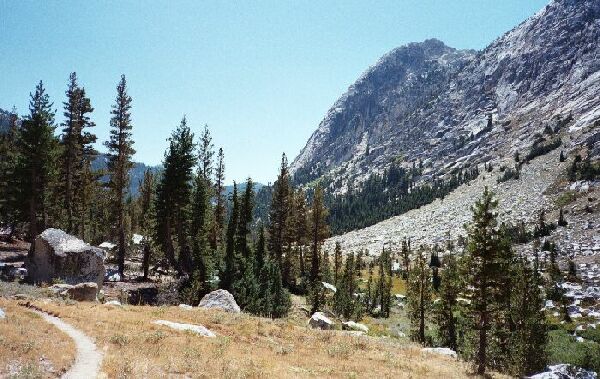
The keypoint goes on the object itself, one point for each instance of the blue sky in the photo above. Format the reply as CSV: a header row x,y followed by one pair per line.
x,y
261,74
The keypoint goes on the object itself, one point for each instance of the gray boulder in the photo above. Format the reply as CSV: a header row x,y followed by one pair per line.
x,y
319,321
57,255
352,325
2,314
220,299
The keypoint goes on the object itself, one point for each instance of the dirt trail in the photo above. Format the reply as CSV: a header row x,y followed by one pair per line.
x,y
88,359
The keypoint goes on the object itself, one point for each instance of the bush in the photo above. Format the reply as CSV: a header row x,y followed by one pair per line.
x,y
562,348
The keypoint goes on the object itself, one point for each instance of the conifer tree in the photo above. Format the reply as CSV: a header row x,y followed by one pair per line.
x,y
486,256
77,153
318,232
206,148
260,255
300,229
200,229
406,257
337,262
120,151
230,268
528,343
345,303
219,210
9,205
561,218
450,287
146,200
38,151
173,198
326,267
279,228
419,296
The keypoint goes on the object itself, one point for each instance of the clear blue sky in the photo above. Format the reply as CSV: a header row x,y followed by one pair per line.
x,y
261,74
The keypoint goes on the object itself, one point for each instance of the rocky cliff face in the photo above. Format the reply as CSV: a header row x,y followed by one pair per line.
x,y
429,103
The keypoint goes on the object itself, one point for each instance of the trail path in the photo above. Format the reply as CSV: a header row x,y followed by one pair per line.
x,y
88,359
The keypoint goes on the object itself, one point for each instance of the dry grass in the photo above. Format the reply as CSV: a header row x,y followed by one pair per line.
x,y
245,347
30,347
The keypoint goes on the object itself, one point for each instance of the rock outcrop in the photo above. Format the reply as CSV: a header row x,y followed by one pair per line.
x,y
56,255
220,299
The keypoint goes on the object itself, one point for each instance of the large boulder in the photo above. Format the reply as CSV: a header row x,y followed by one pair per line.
x,y
319,321
441,351
220,299
56,255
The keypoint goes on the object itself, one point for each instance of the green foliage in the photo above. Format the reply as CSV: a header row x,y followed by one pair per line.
x,y
419,295
120,151
345,303
173,199
562,348
451,284
509,174
38,151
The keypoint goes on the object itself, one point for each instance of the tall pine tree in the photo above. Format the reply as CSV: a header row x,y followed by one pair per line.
x,y
120,151
38,150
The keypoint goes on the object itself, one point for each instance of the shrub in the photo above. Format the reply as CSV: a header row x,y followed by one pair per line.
x,y
562,348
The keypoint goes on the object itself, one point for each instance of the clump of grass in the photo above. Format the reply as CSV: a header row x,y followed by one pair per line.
x,y
340,350
565,198
119,340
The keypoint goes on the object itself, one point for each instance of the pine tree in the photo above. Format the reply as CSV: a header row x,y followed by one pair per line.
x,y
487,256
38,151
200,229
219,210
345,303
173,198
77,153
146,200
279,228
9,206
406,257
300,230
528,344
554,291
450,287
318,232
206,148
120,151
230,268
419,296
326,267
561,218
260,255
337,263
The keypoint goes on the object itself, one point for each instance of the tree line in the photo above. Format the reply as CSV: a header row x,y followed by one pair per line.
x,y
189,226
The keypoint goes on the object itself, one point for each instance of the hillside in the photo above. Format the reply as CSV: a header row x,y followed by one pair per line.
x,y
444,110
133,345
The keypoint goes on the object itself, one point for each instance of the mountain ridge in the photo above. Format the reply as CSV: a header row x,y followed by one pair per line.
x,y
541,68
